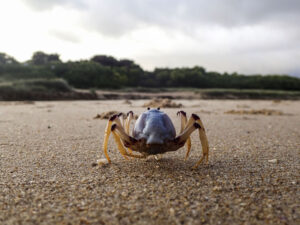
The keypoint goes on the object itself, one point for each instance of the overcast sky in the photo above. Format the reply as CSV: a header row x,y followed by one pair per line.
x,y
246,36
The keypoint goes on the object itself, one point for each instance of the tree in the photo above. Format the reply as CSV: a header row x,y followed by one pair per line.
x,y
6,59
41,58
126,63
105,60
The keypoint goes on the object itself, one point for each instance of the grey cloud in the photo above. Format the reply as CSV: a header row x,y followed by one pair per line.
x,y
117,17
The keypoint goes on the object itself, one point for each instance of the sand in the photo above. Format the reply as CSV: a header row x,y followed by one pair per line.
x,y
46,175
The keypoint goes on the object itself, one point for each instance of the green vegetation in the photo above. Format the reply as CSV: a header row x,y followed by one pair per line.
x,y
34,89
247,94
38,85
46,72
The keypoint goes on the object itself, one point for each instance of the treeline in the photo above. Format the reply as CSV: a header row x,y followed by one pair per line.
x,y
107,72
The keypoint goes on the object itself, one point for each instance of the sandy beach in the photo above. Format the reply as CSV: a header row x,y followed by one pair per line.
x,y
47,150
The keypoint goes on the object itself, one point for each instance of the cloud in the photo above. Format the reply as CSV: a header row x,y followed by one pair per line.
x,y
232,35
118,17
49,4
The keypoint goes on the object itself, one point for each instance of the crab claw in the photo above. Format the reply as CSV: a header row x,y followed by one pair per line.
x,y
113,117
130,112
181,112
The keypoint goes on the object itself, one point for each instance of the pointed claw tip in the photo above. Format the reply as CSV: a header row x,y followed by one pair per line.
x,y
195,117
113,127
113,117
130,112
181,112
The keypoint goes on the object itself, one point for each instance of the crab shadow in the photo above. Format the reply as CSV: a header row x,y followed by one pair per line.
x,y
164,166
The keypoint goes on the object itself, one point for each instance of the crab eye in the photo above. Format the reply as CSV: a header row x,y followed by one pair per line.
x,y
158,108
148,108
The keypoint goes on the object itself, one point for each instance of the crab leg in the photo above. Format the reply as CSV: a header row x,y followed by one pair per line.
x,y
119,134
114,119
120,145
194,119
127,121
191,120
183,118
106,137
203,139
186,133
127,124
119,119
204,143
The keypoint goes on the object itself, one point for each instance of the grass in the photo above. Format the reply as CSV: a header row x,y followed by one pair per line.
x,y
36,85
32,89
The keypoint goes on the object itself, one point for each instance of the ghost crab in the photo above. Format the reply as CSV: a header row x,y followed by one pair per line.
x,y
154,133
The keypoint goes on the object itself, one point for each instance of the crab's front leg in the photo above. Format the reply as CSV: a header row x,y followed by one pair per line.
x,y
113,120
127,125
121,137
195,123
204,141
114,125
188,142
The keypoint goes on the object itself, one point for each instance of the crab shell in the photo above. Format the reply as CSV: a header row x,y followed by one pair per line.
x,y
155,127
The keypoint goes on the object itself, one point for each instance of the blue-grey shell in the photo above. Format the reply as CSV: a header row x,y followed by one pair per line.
x,y
155,126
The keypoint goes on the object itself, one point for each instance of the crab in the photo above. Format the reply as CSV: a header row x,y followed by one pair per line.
x,y
154,133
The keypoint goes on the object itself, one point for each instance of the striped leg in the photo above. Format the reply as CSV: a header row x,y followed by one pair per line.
x,y
121,136
113,120
194,119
